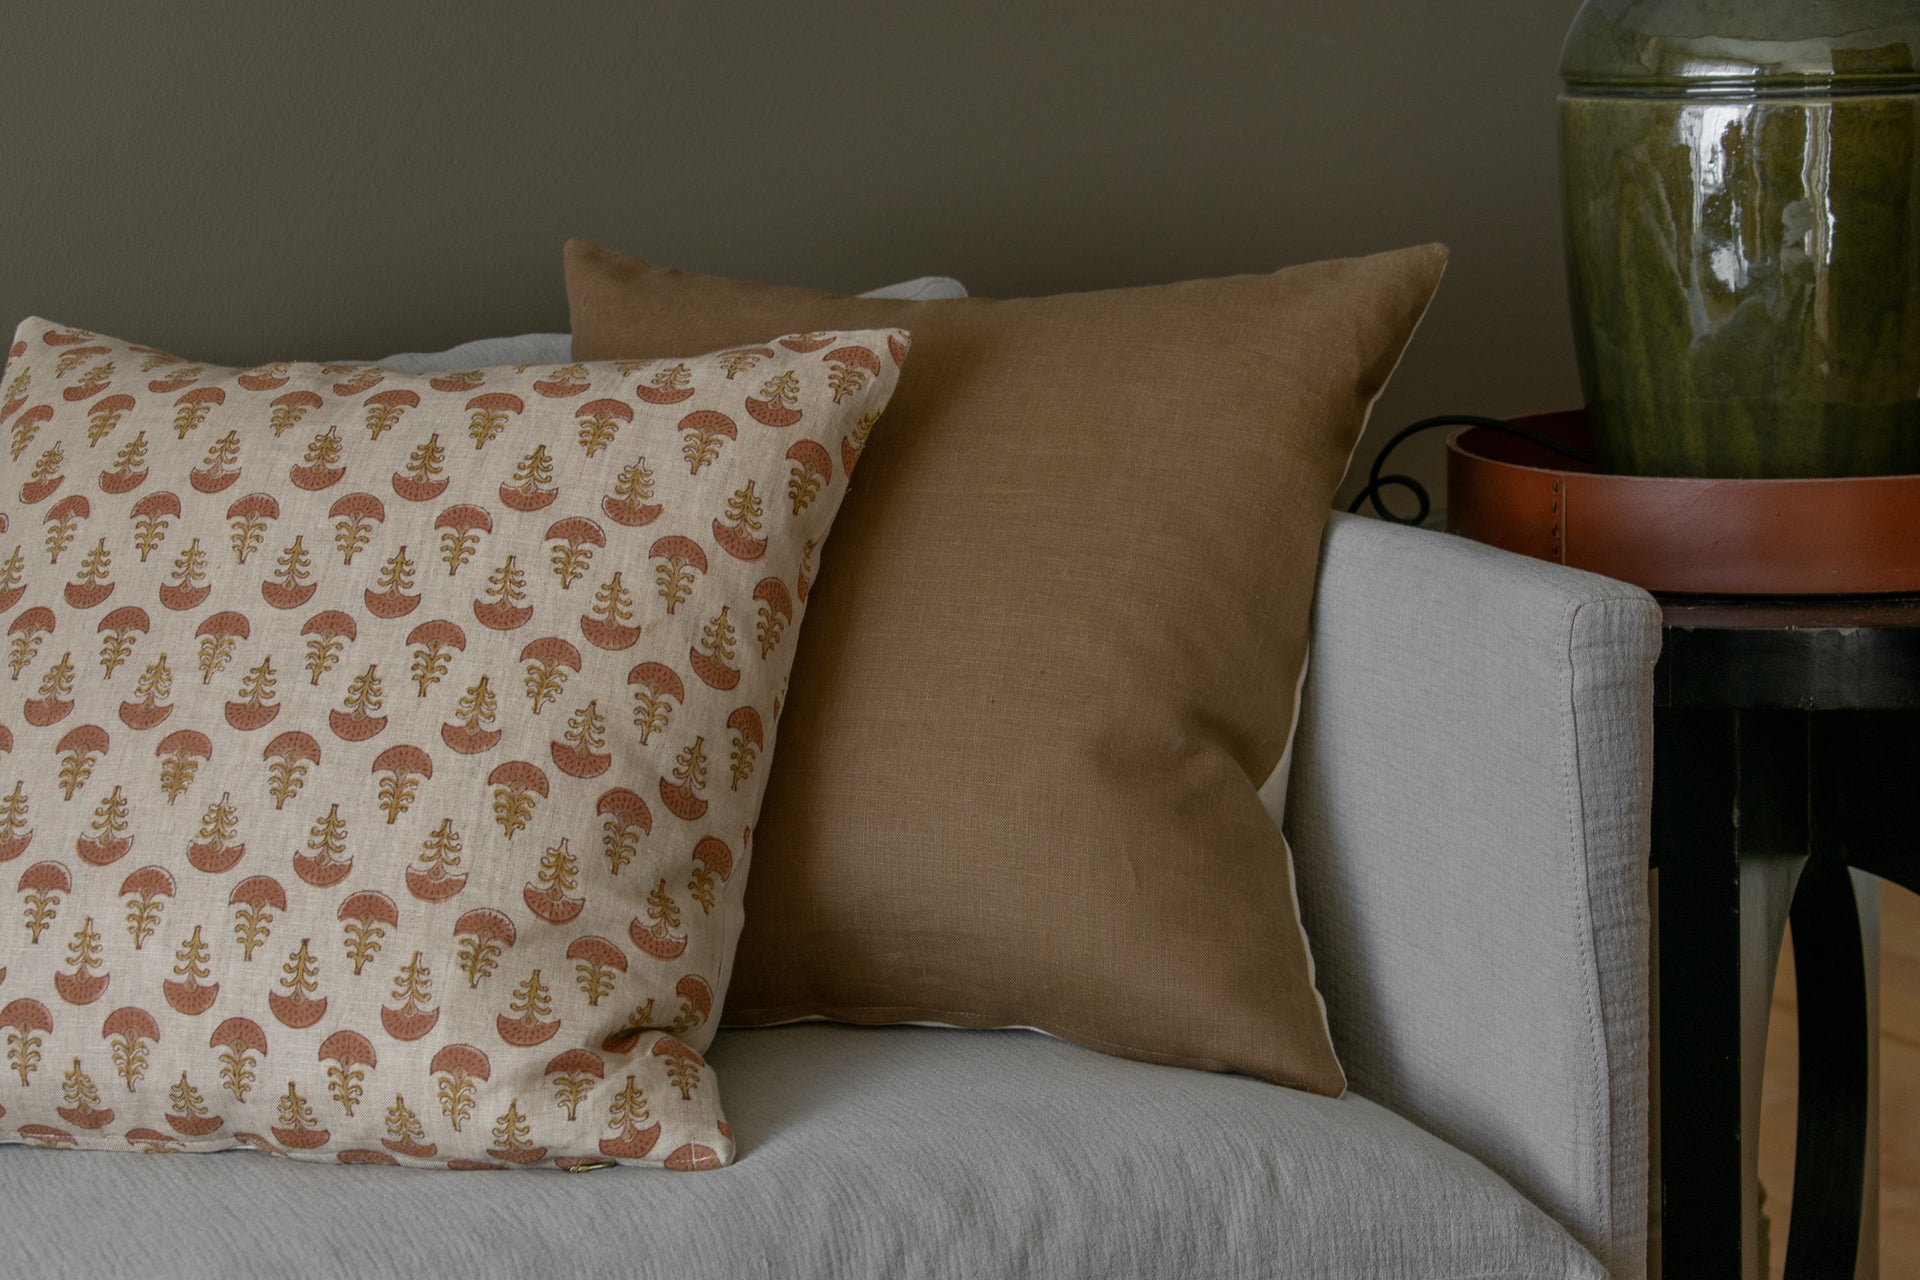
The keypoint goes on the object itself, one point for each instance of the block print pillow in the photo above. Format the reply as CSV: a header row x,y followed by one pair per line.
x,y
379,755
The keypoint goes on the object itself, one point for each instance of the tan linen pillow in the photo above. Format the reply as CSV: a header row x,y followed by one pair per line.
x,y
378,754
1059,651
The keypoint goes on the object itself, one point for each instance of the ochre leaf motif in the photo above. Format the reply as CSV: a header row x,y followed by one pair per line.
x,y
287,758
107,839
704,433
257,705
502,604
655,936
242,1044
348,1055
392,595
518,786
181,753
573,1075
153,515
86,954
600,422
42,888
216,852
54,703
16,830
400,769
219,637
471,730
298,1129
424,477
457,1068
599,965
357,718
669,385
325,861
27,1023
630,502
488,415
510,1133
435,875
461,528
682,793
189,992
631,1136
131,1033
433,643
26,633
365,918
812,467
483,936
247,521
528,1022
712,657
355,517
289,409
773,612
557,876
296,1003
83,1109
656,689
254,901
774,406
531,488
747,741
217,471
738,537
849,369
410,1019
318,469
328,633
405,1134
683,1064
548,663
289,588
189,1114
384,409
151,703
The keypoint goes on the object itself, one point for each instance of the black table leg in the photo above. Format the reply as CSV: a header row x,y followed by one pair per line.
x,y
1729,834
1829,1161
1728,839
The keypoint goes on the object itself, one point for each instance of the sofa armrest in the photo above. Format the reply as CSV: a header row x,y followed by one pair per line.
x,y
1468,810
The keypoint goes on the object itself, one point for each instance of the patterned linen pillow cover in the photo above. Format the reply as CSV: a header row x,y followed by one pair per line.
x,y
382,752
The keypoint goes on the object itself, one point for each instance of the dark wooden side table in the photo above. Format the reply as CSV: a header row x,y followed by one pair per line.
x,y
1786,755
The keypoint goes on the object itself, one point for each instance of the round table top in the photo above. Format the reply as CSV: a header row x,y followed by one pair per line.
x,y
1809,653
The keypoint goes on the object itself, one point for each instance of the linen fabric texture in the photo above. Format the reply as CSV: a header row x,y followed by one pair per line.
x,y
380,753
1020,776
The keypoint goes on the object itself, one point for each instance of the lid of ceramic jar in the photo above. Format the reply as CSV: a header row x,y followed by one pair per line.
x,y
1742,47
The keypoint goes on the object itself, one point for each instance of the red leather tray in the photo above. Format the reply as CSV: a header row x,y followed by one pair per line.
x,y
1853,536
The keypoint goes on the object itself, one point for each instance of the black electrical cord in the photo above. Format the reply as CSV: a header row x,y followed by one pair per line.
x,y
1376,482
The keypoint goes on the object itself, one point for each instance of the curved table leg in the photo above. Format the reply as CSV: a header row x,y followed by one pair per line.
x,y
1830,1148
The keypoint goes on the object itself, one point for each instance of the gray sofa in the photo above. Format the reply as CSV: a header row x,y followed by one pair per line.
x,y
1468,807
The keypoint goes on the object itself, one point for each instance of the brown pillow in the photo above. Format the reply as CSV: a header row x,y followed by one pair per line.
x,y
1058,652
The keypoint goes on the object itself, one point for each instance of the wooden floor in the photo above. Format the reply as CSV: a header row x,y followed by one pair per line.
x,y
1899,1093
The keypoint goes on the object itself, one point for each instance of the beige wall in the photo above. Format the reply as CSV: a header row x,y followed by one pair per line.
x,y
239,182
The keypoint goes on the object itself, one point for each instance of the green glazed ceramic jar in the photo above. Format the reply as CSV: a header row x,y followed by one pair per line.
x,y
1741,187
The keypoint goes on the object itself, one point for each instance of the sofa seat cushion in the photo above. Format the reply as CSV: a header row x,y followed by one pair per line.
x,y
898,1151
